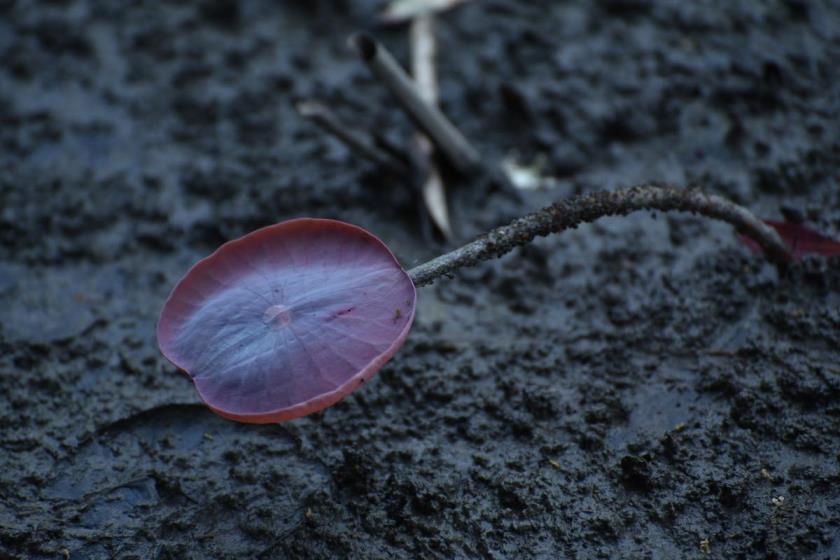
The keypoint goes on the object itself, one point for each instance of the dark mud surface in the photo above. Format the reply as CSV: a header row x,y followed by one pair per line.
x,y
639,388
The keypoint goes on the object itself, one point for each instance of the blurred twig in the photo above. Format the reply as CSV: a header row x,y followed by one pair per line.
x,y
428,117
423,49
360,142
399,11
449,140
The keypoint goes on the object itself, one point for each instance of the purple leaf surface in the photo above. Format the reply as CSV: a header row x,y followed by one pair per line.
x,y
287,320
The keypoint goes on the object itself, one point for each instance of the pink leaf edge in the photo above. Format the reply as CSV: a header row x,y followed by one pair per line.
x,y
800,239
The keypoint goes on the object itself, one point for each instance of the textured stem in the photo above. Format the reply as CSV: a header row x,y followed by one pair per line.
x,y
568,214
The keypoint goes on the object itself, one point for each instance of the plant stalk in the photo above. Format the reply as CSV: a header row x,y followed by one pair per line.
x,y
568,214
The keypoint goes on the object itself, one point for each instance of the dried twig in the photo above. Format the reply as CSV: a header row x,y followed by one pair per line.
x,y
568,214
428,117
423,52
403,10
358,141
423,70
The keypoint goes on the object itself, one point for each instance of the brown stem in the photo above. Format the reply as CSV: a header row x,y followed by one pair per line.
x,y
568,214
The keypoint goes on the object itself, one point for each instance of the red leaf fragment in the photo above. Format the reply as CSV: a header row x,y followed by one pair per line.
x,y
801,240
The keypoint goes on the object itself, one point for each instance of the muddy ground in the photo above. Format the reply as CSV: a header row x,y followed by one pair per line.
x,y
638,388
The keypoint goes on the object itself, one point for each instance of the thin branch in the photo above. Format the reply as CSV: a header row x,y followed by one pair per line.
x,y
452,144
400,11
568,214
428,117
423,50
359,142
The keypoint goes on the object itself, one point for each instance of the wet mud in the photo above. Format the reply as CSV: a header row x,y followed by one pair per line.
x,y
642,387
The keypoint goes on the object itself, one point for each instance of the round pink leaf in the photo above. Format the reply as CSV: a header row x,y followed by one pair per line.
x,y
287,320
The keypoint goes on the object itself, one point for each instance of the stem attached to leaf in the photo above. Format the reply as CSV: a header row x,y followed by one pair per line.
x,y
568,214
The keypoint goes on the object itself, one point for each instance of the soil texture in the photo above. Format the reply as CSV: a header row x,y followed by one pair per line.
x,y
642,387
